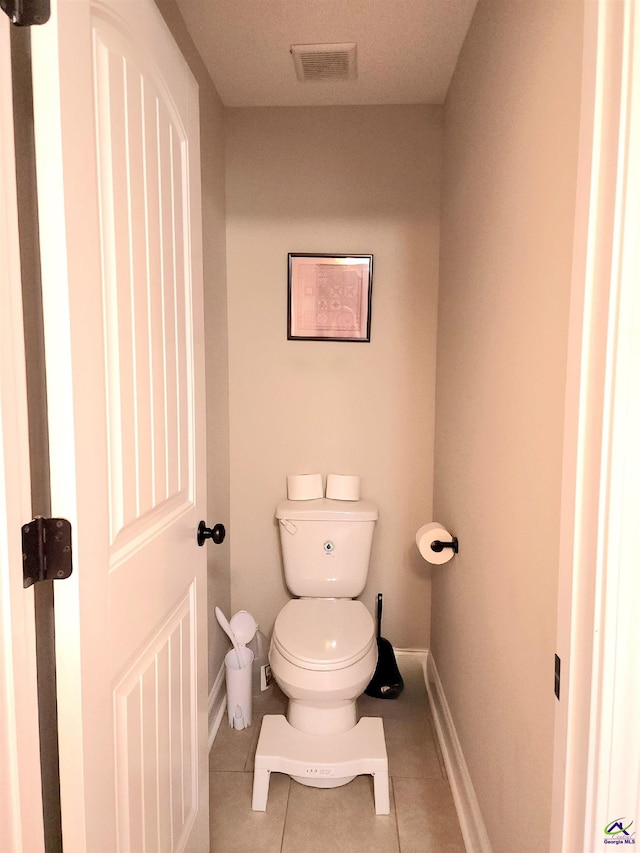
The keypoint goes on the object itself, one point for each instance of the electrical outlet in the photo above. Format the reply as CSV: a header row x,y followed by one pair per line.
x,y
266,676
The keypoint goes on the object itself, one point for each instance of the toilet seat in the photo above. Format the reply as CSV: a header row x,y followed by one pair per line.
x,y
323,634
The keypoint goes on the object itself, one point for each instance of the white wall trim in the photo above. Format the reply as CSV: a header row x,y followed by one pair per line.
x,y
597,741
472,825
613,789
217,705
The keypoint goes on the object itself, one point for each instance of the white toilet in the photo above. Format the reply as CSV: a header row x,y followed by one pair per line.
x,y
323,654
323,648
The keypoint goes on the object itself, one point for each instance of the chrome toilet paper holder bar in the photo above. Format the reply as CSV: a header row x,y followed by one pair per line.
x,y
438,546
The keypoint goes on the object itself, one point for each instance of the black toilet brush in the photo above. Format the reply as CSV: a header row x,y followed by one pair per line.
x,y
387,681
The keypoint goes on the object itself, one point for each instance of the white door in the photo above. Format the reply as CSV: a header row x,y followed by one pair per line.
x,y
20,800
117,145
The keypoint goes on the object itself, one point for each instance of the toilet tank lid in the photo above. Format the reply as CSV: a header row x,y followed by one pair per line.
x,y
324,509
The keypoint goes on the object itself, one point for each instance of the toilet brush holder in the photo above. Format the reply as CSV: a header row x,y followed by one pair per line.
x,y
239,687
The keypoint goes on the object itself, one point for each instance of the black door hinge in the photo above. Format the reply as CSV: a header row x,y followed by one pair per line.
x,y
26,13
46,550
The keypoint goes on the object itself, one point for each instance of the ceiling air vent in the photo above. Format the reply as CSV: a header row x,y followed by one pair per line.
x,y
324,61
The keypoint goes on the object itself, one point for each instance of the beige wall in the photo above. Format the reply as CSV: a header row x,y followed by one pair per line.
x,y
511,127
216,468
344,180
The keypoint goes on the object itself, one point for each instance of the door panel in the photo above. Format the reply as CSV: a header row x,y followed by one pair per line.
x,y
143,171
121,234
156,717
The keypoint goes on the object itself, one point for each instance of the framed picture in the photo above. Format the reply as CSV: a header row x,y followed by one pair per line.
x,y
329,297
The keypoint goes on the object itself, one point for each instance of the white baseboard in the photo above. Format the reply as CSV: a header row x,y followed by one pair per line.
x,y
217,705
473,829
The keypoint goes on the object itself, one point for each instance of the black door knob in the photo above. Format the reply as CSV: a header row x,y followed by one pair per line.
x,y
217,533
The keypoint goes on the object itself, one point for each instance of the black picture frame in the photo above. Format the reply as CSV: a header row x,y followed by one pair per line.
x,y
329,297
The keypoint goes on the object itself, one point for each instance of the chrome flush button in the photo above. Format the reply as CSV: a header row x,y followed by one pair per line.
x,y
328,547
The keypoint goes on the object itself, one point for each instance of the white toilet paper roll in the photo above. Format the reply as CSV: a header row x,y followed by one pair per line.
x,y
343,487
304,487
434,532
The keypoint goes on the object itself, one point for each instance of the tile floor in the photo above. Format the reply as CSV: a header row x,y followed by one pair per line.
x,y
300,819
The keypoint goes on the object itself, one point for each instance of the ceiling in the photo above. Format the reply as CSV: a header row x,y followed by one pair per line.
x,y
406,49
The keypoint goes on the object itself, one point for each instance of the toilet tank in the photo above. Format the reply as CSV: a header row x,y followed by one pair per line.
x,y
326,546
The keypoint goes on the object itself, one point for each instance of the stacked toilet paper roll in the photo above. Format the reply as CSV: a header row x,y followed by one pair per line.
x,y
304,487
426,536
343,487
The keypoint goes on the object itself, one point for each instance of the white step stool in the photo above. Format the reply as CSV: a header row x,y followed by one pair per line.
x,y
283,749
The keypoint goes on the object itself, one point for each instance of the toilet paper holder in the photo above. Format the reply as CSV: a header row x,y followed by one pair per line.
x,y
438,546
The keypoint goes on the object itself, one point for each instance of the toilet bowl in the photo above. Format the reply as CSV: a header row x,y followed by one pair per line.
x,y
323,654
